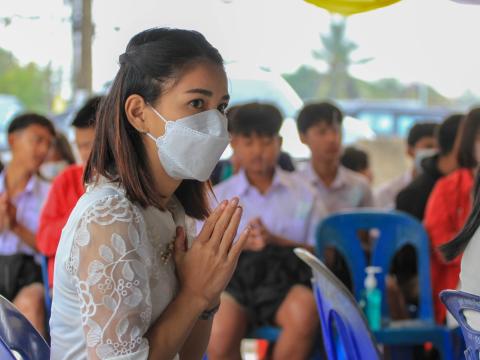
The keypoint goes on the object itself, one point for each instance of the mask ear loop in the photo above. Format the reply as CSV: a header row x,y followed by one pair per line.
x,y
160,116
157,113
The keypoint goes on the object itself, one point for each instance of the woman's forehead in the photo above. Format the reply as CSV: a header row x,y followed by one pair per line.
x,y
204,75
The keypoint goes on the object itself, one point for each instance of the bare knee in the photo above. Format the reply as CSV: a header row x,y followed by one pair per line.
x,y
228,329
298,312
30,299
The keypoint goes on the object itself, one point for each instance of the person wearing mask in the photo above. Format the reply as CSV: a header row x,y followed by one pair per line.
x,y
421,143
413,198
132,277
59,157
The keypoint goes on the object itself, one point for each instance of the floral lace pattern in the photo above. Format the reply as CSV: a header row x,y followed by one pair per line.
x,y
112,266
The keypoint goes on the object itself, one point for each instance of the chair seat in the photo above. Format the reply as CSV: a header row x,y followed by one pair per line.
x,y
268,333
417,334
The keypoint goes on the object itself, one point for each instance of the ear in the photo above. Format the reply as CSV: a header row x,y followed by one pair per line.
x,y
11,140
411,151
135,111
233,141
303,138
280,141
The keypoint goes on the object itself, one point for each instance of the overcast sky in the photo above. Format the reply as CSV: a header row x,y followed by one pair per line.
x,y
434,41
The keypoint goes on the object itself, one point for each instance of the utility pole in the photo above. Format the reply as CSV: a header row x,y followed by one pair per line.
x,y
82,34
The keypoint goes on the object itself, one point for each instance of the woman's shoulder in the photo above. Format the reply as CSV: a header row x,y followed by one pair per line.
x,y
104,204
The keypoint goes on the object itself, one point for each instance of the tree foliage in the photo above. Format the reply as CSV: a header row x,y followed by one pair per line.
x,y
30,83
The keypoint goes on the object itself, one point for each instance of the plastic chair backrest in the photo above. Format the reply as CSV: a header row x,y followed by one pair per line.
x,y
396,229
19,335
5,353
344,329
338,232
457,302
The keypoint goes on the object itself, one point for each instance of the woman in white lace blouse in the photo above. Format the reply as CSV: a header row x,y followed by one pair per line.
x,y
131,282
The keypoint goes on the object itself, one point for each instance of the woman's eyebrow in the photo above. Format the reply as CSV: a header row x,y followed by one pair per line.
x,y
206,93
200,91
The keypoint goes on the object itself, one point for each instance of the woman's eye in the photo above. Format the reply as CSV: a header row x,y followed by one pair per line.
x,y
197,104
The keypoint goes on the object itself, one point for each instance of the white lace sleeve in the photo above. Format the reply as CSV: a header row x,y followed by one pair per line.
x,y
110,264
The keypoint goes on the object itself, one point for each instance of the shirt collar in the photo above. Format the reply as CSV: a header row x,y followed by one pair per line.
x,y
31,185
280,179
338,182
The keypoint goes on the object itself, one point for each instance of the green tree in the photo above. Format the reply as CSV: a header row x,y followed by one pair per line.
x,y
30,83
337,53
305,81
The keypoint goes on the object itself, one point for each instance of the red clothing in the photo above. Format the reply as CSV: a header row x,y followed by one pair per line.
x,y
447,211
66,189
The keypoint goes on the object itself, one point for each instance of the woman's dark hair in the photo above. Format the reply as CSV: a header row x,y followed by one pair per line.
x,y
456,246
63,148
447,133
152,58
471,129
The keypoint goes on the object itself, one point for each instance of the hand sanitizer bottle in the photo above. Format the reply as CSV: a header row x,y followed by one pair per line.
x,y
372,298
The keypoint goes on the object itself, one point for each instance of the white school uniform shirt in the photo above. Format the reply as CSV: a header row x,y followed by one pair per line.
x,y
290,208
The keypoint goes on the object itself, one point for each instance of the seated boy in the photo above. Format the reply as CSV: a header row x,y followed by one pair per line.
x,y
320,128
270,286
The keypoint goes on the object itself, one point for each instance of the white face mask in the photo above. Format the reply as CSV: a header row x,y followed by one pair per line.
x,y
420,155
191,146
50,170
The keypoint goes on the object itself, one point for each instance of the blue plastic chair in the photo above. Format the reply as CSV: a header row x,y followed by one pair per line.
x,y
5,352
396,230
457,302
46,285
18,335
338,232
344,329
269,333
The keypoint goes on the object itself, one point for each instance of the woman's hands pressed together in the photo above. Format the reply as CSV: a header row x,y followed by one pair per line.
x,y
205,269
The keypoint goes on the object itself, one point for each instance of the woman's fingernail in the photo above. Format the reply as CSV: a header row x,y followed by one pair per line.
x,y
234,201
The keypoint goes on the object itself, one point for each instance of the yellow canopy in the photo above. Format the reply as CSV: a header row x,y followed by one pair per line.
x,y
350,7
